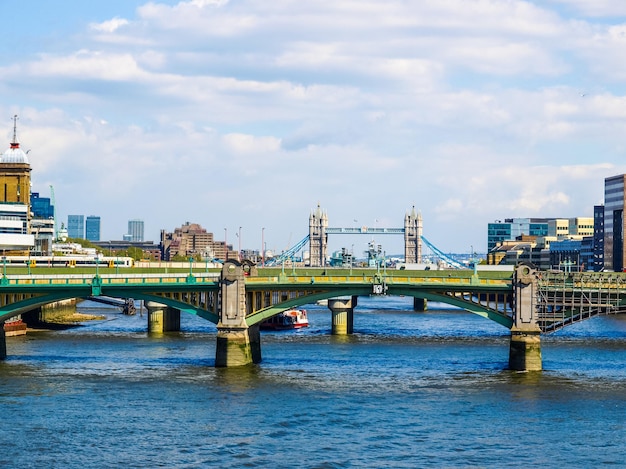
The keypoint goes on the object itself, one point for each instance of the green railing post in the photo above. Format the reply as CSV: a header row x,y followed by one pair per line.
x,y
5,281
190,277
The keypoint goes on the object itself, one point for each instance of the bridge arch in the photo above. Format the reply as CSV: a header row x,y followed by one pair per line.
x,y
476,308
30,303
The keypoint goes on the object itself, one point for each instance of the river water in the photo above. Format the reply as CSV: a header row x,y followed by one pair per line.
x,y
406,390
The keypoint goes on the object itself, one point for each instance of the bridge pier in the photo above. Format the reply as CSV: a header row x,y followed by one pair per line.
x,y
525,350
237,343
162,318
237,346
525,345
420,304
343,314
3,342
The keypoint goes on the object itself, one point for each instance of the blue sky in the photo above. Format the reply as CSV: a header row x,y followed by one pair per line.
x,y
249,113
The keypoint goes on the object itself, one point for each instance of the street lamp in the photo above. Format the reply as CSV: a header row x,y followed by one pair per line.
x,y
225,244
263,246
239,253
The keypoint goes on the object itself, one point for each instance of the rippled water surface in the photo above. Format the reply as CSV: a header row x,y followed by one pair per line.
x,y
406,390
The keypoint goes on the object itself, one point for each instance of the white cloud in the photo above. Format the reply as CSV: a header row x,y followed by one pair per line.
x,y
83,65
109,26
465,108
251,145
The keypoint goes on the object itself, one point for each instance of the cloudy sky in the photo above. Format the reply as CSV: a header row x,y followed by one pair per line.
x,y
249,113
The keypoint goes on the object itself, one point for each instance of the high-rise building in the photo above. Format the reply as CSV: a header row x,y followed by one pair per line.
x,y
42,224
598,238
76,226
41,207
614,202
135,230
92,228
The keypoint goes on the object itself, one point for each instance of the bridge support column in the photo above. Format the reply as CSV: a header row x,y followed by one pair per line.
x,y
525,350
343,314
525,346
162,318
420,304
3,342
237,346
237,343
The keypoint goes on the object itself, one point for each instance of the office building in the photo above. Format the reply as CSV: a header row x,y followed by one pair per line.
x,y
92,228
42,225
76,226
41,207
193,240
135,230
614,201
598,238
513,228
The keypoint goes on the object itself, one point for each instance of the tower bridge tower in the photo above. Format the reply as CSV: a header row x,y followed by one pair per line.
x,y
413,237
318,239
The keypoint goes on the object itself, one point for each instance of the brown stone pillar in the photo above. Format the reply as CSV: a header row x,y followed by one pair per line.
x,y
525,345
237,343
525,350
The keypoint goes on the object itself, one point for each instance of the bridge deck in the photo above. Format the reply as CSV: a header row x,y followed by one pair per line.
x,y
561,298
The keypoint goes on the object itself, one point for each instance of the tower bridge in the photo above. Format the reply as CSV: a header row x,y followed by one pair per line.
x,y
317,239
237,299
319,231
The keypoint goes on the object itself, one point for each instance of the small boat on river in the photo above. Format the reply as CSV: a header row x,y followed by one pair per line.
x,y
291,319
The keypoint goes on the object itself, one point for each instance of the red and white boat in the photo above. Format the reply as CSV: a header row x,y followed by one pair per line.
x,y
14,326
291,319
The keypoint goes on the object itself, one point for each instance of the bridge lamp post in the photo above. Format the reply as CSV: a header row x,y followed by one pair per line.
x,y
4,266
190,266
351,256
239,249
384,262
262,246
